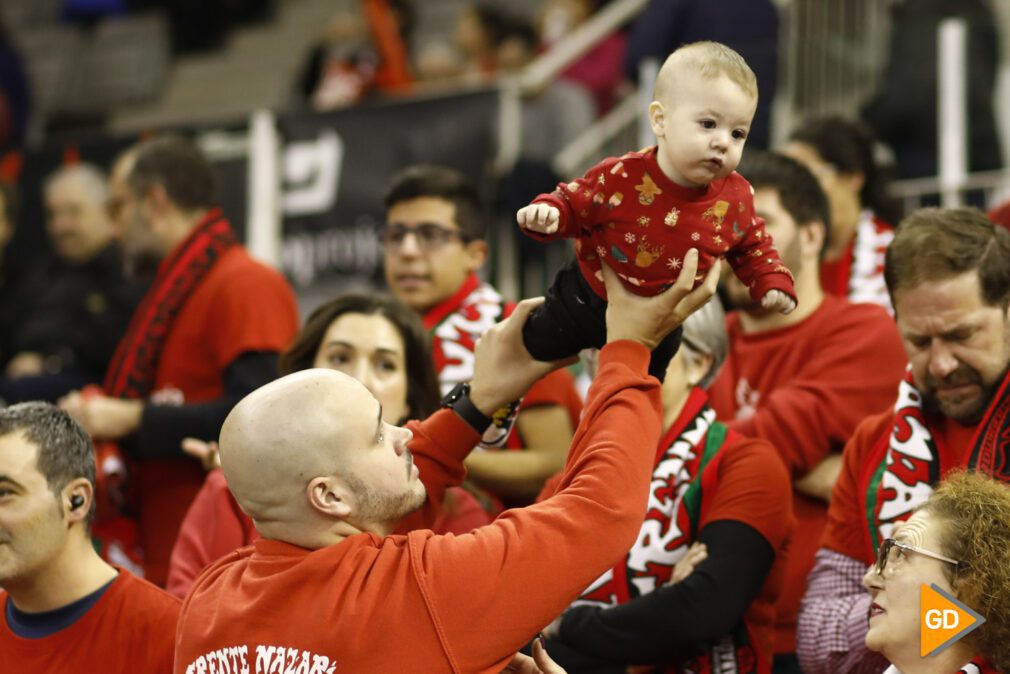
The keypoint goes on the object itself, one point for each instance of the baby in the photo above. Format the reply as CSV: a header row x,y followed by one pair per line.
x,y
640,213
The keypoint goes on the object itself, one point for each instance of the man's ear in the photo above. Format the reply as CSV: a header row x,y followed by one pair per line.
x,y
854,180
476,254
157,199
329,496
77,497
812,238
657,118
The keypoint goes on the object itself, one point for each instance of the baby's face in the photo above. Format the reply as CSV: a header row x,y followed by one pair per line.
x,y
703,128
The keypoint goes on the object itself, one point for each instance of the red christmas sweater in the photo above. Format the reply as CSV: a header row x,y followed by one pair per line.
x,y
627,213
805,388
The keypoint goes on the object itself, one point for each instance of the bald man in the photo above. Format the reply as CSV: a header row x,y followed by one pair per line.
x,y
325,481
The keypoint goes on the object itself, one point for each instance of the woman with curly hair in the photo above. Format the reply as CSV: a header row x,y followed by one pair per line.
x,y
959,540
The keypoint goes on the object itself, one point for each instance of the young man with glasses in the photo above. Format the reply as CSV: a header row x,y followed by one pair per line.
x,y
948,275
434,245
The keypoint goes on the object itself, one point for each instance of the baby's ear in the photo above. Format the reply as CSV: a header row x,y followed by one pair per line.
x,y
657,118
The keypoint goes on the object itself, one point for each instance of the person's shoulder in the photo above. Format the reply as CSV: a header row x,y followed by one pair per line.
x,y
138,597
840,312
236,263
756,456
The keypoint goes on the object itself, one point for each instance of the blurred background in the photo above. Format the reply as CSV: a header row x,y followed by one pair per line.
x,y
308,106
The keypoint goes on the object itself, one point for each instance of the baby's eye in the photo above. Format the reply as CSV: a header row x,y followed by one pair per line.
x,y
739,134
707,123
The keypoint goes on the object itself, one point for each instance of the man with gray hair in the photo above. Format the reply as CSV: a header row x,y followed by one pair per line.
x,y
72,310
64,608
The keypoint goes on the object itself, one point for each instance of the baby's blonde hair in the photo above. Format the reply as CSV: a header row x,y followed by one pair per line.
x,y
710,60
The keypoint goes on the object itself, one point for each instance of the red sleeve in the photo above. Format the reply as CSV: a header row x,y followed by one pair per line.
x,y
440,444
576,202
751,482
847,510
254,310
214,526
856,369
554,549
754,259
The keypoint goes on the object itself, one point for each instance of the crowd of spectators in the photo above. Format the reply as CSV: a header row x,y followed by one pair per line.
x,y
765,496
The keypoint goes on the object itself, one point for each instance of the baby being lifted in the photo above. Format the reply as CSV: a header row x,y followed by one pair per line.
x,y
639,214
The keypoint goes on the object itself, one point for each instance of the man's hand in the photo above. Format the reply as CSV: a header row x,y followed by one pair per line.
x,y
540,663
648,320
776,300
820,481
695,555
206,452
104,418
26,364
542,218
504,370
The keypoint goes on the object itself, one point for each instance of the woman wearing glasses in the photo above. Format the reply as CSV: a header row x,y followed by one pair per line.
x,y
958,540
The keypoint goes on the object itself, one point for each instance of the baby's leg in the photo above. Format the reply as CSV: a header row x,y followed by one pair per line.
x,y
664,353
572,318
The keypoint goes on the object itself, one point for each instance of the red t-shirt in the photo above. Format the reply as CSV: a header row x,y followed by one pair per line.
x,y
131,628
431,603
627,214
804,388
240,306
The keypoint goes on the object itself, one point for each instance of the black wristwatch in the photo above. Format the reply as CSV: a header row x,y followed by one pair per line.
x,y
458,400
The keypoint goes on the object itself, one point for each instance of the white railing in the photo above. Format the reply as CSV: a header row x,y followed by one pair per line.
x,y
534,77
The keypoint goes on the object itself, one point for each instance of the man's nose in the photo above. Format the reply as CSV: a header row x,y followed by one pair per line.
x,y
941,361
411,244
406,435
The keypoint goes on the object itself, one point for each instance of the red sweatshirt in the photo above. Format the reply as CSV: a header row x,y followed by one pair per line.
x,y
627,213
129,629
439,603
805,388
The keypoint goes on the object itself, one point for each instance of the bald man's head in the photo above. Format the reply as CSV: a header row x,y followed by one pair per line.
x,y
310,451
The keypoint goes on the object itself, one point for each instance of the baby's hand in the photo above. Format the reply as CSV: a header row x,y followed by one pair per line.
x,y
541,218
779,301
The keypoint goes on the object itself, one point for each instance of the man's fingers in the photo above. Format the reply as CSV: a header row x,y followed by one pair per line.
x,y
700,296
523,309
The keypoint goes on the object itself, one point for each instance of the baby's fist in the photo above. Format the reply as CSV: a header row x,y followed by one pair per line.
x,y
541,218
778,301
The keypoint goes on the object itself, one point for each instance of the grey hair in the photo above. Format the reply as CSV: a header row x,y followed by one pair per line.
x,y
705,333
90,176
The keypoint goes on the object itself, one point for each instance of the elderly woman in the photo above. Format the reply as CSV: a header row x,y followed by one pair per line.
x,y
715,506
958,540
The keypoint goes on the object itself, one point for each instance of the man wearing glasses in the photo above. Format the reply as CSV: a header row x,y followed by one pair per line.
x,y
948,275
434,245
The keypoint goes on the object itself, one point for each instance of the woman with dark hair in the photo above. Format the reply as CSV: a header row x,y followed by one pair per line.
x,y
380,343
839,152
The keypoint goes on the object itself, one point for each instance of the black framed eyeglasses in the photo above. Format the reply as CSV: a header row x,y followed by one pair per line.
x,y
890,548
429,236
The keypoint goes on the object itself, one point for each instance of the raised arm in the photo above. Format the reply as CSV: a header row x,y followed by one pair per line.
x,y
492,590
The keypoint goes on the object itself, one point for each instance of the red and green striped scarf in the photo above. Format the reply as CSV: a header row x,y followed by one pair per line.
x,y
906,464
